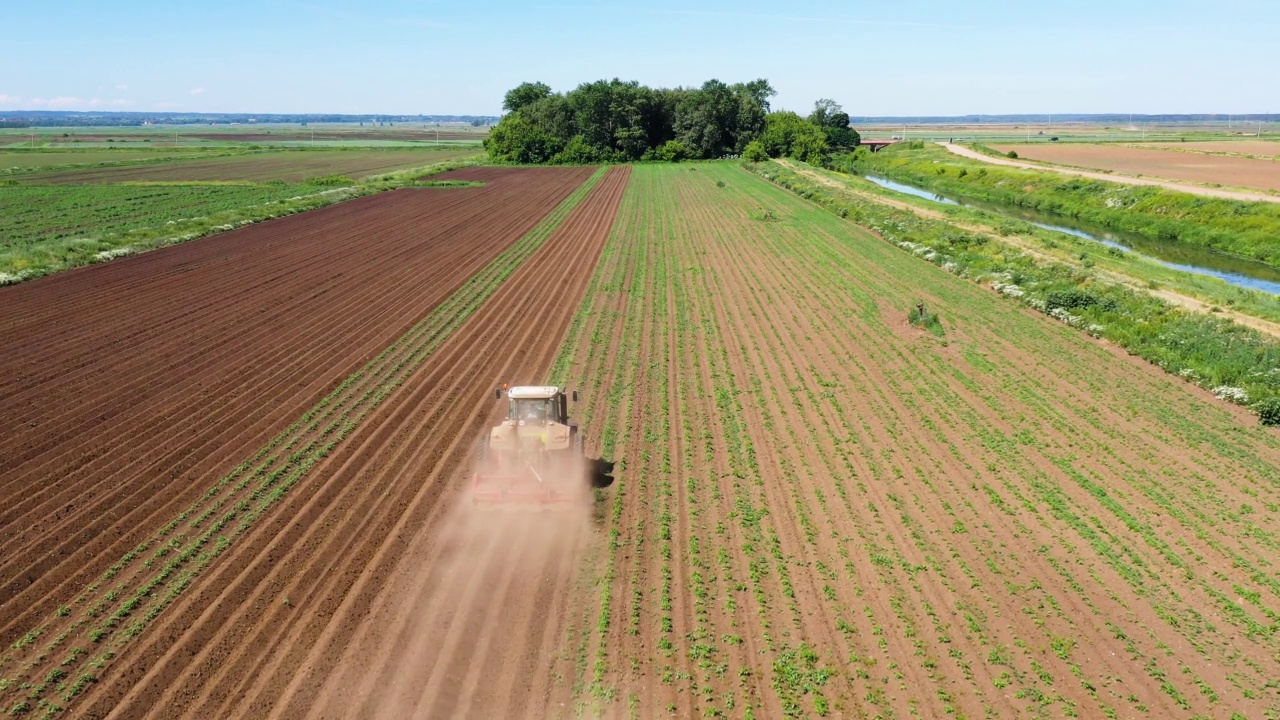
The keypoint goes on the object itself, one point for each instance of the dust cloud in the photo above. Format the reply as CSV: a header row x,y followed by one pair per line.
x,y
470,626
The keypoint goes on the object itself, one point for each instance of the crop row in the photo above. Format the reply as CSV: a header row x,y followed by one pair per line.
x,y
851,515
90,631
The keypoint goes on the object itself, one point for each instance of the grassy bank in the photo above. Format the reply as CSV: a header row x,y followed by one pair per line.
x,y
1132,268
1230,227
1235,363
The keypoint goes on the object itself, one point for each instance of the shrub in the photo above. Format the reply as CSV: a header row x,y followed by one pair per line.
x,y
330,180
920,317
1013,154
672,151
1268,410
1077,299
754,152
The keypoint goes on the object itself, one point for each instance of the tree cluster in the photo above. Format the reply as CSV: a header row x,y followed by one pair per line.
x,y
616,121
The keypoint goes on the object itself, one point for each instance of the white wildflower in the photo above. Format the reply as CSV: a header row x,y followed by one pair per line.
x,y
1231,394
115,253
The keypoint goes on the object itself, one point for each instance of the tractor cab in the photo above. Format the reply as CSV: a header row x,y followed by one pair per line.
x,y
536,406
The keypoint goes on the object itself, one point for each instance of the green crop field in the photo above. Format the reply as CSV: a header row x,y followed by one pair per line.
x,y
282,165
822,508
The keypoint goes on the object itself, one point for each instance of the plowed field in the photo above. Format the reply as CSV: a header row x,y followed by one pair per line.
x,y
1263,174
818,509
127,389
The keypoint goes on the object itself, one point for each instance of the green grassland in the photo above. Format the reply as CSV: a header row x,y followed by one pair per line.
x,y
16,161
294,165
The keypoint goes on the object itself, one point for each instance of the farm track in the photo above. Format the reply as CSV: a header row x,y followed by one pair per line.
x,y
198,352
399,601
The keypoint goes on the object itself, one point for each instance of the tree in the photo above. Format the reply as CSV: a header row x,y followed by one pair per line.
x,y
783,129
834,121
810,148
525,94
827,113
617,121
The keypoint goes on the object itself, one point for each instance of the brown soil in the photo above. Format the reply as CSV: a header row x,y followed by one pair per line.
x,y
1263,174
1235,147
127,387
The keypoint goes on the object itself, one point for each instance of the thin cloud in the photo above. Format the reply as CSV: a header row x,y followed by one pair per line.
x,y
122,88
197,91
421,23
770,17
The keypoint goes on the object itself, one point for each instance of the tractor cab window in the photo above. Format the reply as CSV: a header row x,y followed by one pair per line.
x,y
532,412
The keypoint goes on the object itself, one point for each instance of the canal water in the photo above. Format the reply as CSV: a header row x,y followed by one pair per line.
x,y
1236,271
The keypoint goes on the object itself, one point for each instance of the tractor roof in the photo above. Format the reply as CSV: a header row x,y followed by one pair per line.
x,y
532,392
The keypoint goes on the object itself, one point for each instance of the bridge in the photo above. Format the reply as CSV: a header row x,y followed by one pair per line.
x,y
876,145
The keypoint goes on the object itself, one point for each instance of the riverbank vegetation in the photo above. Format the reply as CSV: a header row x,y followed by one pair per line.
x,y
1243,229
1228,227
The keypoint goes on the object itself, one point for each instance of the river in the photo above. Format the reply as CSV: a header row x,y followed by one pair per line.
x,y
1236,271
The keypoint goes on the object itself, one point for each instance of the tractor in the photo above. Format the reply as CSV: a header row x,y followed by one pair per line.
x,y
534,456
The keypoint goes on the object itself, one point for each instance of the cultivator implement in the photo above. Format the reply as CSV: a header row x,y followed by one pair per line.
x,y
525,488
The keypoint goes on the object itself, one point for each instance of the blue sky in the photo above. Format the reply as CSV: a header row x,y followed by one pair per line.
x,y
911,57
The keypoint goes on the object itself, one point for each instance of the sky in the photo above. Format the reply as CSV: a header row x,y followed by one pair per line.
x,y
906,58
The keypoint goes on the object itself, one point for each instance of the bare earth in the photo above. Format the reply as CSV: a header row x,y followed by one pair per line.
x,y
1183,167
1180,187
1237,147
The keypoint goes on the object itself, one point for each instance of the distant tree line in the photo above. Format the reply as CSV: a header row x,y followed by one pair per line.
x,y
616,121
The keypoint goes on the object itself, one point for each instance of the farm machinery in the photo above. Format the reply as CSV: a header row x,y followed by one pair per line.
x,y
534,456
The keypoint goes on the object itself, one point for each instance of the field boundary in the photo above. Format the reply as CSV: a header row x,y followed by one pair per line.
x,y
133,592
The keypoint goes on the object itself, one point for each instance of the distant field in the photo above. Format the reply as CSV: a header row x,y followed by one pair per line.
x,y
38,214
49,158
196,136
1242,147
419,135
286,165
1191,167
